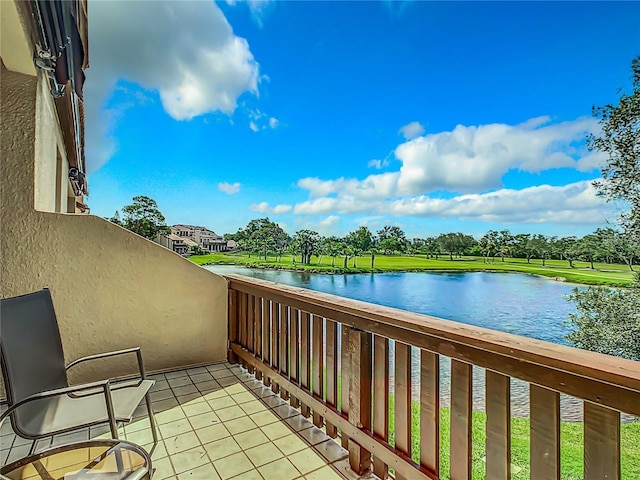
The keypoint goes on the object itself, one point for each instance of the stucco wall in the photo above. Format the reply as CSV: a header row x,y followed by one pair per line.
x,y
111,288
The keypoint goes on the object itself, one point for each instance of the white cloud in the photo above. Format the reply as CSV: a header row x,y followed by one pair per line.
x,y
263,207
260,120
576,203
273,122
411,130
469,160
186,51
378,164
229,188
253,126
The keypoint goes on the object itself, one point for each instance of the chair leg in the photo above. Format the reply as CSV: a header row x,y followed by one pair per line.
x,y
152,421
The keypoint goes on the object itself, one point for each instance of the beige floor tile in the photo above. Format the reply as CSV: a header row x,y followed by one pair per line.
x,y
250,439
205,472
228,381
181,443
263,418
160,385
212,433
196,371
176,374
162,405
281,469
230,413
185,390
189,459
221,403
286,411
275,430
179,382
163,468
233,465
222,373
172,429
239,425
313,435
325,473
298,423
290,444
250,475
263,454
306,460
141,437
201,377
253,406
204,420
243,397
217,366
161,395
171,415
137,425
193,409
190,398
222,448
215,393
159,452
331,450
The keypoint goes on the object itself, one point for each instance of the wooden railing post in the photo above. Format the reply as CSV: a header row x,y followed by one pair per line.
x,y
461,418
294,347
275,332
284,347
601,443
257,314
402,392
430,411
345,367
331,340
360,352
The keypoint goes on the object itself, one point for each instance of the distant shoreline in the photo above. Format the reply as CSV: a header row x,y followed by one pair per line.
x,y
576,276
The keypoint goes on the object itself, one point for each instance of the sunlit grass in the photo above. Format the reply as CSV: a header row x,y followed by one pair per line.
x,y
602,274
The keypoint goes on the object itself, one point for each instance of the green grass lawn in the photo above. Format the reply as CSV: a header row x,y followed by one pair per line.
x,y
602,274
572,446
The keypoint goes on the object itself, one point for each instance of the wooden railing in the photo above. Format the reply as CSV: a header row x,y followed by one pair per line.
x,y
292,337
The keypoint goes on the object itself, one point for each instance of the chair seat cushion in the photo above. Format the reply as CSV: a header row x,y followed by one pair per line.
x,y
45,416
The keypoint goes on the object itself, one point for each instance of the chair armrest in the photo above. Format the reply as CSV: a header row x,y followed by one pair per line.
x,y
105,384
135,350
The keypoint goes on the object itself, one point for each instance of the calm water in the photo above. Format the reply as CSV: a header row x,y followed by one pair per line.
x,y
515,303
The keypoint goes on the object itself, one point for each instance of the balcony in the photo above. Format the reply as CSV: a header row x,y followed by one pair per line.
x,y
321,387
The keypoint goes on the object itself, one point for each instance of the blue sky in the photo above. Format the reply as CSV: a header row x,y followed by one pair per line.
x,y
435,117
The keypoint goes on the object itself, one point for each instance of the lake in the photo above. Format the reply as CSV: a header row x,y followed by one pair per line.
x,y
510,302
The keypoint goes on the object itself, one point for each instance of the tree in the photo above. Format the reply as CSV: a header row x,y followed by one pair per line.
x,y
307,243
142,217
392,239
489,244
608,320
619,140
360,240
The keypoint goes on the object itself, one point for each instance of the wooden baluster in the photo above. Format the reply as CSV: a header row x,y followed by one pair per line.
x,y
284,349
498,407
381,399
430,411
345,367
332,371
601,443
275,335
294,346
403,400
243,323
267,333
317,364
461,405
544,421
359,348
257,315
305,357
233,324
251,328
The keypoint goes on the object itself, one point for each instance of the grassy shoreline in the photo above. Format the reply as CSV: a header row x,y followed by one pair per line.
x,y
614,275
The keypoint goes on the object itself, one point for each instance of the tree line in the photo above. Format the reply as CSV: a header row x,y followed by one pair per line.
x,y
263,237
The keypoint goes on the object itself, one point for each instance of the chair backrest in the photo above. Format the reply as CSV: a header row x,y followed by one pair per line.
x,y
32,356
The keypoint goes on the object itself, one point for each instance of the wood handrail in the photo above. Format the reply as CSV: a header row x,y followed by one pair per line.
x,y
601,379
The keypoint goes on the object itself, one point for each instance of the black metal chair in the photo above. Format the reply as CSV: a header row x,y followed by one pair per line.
x,y
41,402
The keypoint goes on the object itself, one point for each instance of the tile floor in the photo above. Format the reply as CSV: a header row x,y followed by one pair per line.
x,y
218,422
